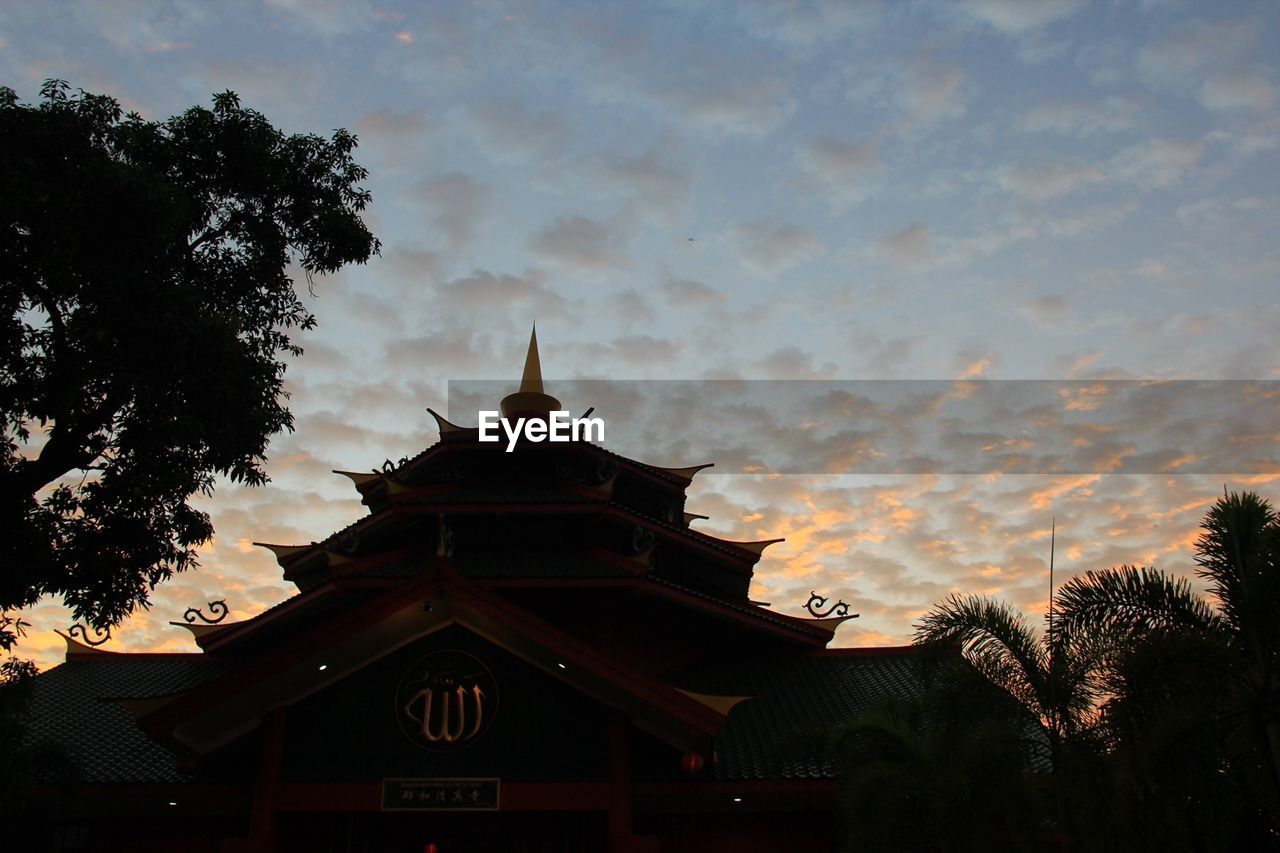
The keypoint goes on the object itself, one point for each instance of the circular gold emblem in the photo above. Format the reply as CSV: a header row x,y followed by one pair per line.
x,y
446,701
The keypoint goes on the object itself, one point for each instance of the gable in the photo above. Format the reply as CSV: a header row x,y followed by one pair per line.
x,y
492,715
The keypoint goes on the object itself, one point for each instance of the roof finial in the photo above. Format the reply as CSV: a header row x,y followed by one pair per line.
x,y
530,400
531,381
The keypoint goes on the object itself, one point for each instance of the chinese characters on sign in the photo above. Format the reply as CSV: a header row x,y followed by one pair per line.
x,y
440,794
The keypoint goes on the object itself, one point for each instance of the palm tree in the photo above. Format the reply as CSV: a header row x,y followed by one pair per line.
x,y
1056,684
944,771
1192,687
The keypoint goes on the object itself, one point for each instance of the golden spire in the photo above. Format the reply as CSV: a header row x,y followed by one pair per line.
x,y
531,381
530,401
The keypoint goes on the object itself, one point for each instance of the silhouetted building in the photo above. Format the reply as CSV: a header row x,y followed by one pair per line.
x,y
525,651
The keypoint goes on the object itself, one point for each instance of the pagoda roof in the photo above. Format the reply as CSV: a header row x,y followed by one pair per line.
x,y
797,704
78,727
773,735
210,715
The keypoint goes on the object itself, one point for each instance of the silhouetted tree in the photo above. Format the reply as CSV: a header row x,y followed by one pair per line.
x,y
147,310
952,769
15,695
1193,686
1057,684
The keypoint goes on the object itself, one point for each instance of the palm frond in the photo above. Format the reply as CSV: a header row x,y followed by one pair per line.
x,y
996,639
1236,553
1114,605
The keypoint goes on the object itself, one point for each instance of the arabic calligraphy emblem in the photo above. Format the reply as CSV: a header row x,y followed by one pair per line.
x,y
446,701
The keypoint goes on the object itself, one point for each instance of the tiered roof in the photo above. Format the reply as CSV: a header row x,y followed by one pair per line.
x,y
577,560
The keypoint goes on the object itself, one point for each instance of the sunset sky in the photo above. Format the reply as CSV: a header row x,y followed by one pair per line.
x,y
954,191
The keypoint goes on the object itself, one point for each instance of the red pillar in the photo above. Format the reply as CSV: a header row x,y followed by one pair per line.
x,y
620,836
262,822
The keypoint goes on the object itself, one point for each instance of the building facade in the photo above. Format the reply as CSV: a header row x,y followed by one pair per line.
x,y
513,651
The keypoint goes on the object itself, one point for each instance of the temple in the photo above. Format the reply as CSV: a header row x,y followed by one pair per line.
x,y
524,651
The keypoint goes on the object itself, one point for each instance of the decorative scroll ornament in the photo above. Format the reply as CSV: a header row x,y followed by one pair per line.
x,y
605,468
350,543
82,632
217,609
389,467
817,602
641,539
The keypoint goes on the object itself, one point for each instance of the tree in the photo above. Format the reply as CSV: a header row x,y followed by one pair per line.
x,y
148,305
1055,683
949,769
1185,672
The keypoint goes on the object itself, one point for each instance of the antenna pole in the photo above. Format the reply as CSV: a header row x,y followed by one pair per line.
x,y
1053,529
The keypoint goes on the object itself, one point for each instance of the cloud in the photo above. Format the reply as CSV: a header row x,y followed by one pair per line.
x,y
581,243
722,95
656,178
459,202
1091,220
1111,114
327,18
413,266
1184,52
686,293
804,24
138,26
632,307
768,247
511,132
975,362
482,290
1156,162
908,247
931,91
1076,364
1047,311
642,350
1106,61
843,170
885,358
1019,16
448,352
393,127
1045,182
791,362
1230,91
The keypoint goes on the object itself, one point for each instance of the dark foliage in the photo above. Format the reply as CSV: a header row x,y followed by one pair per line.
x,y
950,770
1159,711
147,311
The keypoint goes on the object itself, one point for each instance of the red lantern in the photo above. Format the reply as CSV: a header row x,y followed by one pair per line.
x,y
431,848
691,763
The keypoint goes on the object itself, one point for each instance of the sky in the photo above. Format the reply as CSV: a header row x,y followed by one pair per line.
x,y
863,195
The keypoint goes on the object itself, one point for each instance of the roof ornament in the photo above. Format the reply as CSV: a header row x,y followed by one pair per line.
x,y
389,467
217,609
83,633
839,609
531,400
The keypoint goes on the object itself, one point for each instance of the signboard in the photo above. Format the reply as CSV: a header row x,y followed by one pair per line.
x,y
440,795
